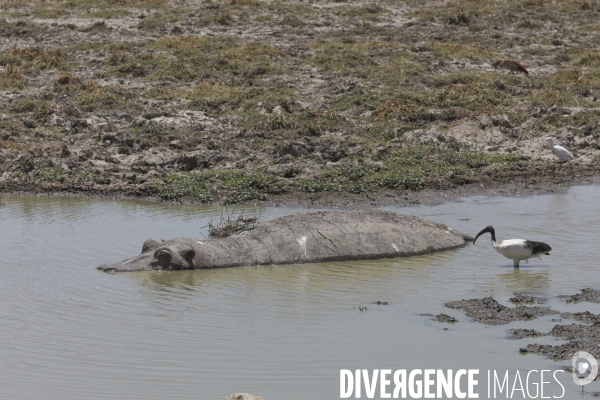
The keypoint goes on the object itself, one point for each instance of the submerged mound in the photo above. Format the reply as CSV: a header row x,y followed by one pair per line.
x,y
489,311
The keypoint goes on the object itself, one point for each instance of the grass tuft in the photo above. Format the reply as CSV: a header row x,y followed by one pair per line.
x,y
35,59
12,78
231,223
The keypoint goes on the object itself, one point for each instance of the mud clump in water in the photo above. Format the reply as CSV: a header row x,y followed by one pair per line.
x,y
489,311
524,333
576,332
243,396
564,351
525,299
581,337
585,316
446,318
589,295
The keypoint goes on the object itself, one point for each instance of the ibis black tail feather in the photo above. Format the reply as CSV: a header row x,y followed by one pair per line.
x,y
538,247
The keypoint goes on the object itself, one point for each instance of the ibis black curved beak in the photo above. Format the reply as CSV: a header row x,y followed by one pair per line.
x,y
487,229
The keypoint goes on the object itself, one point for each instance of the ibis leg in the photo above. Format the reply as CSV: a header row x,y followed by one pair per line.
x,y
516,263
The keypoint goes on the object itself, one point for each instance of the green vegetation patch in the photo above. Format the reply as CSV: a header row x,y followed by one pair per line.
x,y
357,179
40,109
582,123
368,12
245,3
107,14
132,68
96,26
92,97
107,4
33,59
528,24
356,57
214,96
220,55
47,173
458,50
411,167
451,96
156,23
564,88
591,60
230,187
49,13
11,78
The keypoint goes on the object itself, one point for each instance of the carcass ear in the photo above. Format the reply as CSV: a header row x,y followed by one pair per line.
x,y
190,254
149,245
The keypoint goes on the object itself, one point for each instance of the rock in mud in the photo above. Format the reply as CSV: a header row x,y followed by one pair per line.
x,y
489,311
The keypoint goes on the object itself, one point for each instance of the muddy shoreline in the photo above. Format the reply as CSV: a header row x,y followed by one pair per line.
x,y
446,192
337,104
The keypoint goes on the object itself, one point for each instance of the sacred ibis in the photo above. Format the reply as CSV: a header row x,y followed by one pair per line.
x,y
516,249
560,152
511,65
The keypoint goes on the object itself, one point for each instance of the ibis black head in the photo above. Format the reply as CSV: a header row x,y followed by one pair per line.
x,y
487,229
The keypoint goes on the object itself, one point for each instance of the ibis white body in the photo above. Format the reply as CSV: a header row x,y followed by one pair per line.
x,y
516,249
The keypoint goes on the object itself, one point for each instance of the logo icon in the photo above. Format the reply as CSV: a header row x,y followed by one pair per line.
x,y
585,368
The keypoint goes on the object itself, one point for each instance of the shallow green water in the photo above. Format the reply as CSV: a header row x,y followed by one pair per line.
x,y
284,332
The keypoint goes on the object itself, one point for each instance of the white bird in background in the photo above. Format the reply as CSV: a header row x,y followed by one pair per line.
x,y
560,152
516,249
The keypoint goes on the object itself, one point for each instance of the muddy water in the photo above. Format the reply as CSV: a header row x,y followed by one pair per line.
x,y
68,331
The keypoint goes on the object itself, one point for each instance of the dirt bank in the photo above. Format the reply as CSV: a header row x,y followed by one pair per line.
x,y
295,102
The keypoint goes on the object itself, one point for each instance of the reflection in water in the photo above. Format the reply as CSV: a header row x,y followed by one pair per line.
x,y
278,331
290,285
184,280
534,280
